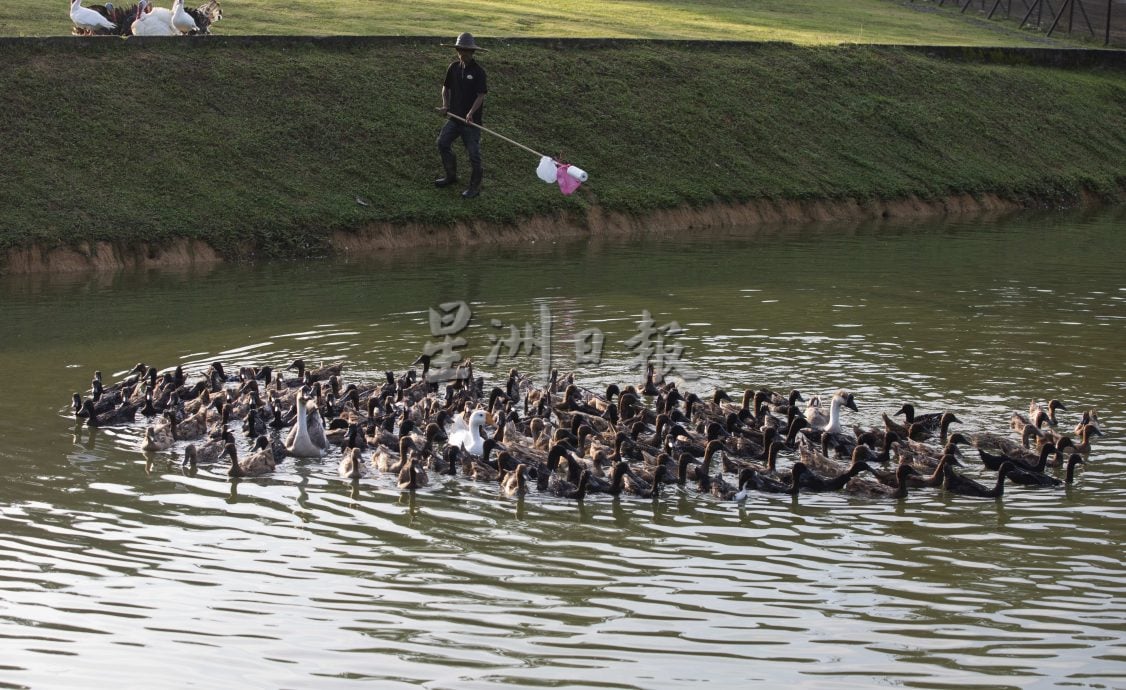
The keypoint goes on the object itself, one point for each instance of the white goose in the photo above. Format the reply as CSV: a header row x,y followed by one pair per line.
x,y
468,436
153,21
181,20
87,19
832,423
302,440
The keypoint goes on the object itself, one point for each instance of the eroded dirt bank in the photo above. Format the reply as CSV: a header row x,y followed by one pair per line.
x,y
104,256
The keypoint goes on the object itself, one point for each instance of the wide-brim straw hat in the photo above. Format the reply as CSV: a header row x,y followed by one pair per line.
x,y
465,42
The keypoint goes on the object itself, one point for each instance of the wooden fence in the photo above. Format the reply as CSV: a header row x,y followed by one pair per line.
x,y
1100,21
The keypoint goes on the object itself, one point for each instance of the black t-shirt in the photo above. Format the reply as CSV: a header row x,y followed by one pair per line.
x,y
464,84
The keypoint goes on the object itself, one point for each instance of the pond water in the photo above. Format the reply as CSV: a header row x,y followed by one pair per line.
x,y
119,568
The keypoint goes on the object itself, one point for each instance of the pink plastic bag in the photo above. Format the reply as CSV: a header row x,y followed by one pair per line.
x,y
567,184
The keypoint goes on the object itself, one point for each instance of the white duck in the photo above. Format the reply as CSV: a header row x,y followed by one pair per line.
x,y
153,21
832,423
181,20
468,436
305,439
87,19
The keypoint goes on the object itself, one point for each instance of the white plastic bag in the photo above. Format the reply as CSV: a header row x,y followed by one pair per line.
x,y
546,170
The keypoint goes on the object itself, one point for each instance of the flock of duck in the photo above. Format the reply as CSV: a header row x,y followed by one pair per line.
x,y
564,440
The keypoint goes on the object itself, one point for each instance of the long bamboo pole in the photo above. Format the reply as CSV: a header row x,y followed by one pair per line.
x,y
495,134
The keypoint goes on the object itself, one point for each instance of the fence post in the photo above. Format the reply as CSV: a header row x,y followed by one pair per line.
x,y
1109,4
1055,22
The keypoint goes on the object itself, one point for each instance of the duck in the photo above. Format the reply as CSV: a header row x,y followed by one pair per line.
x,y
1019,475
101,404
193,426
751,479
1003,443
598,482
448,461
153,21
340,433
255,423
783,405
770,481
748,443
387,460
484,471
515,483
821,462
1083,445
994,462
922,432
710,410
260,461
922,426
934,479
412,476
352,464
1072,460
805,478
320,374
1049,411
878,489
468,436
306,440
157,438
181,20
682,440
717,486
893,427
622,480
432,435
206,453
124,414
88,20
957,484
1089,417
917,479
1038,419
925,456
576,491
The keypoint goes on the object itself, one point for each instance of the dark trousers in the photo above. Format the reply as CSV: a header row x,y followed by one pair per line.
x,y
470,136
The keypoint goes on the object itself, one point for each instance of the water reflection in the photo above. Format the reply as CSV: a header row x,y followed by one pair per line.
x,y
311,576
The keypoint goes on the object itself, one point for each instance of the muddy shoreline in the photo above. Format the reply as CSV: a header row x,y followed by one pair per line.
x,y
105,256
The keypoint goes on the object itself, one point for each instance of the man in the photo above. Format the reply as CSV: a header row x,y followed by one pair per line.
x,y
463,93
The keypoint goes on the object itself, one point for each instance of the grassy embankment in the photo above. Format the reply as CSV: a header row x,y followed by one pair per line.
x,y
265,148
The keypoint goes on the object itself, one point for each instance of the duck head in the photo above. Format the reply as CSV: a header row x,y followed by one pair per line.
x,y
904,470
959,438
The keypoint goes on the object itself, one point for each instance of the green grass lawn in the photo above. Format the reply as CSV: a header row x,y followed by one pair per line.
x,y
805,22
